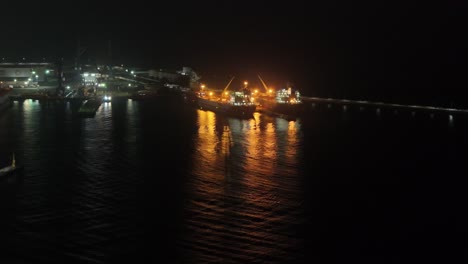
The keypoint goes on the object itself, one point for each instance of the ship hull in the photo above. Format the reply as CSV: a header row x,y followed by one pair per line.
x,y
89,108
286,110
243,111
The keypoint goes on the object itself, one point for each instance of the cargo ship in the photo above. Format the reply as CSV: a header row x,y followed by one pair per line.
x,y
285,102
231,103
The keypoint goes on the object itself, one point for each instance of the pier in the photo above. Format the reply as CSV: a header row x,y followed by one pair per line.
x,y
313,101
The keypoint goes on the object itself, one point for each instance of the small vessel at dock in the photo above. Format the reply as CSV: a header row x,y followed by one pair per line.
x,y
89,107
10,170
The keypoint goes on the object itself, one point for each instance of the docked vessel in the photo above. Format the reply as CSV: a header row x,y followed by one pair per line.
x,y
285,102
232,103
89,107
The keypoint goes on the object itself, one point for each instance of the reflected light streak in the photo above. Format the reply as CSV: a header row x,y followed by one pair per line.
x,y
256,148
244,176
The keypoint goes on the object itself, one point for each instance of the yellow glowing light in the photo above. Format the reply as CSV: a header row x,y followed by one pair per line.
x,y
202,86
211,93
270,91
256,91
245,83
226,93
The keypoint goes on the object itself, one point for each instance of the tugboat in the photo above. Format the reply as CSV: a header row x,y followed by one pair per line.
x,y
10,170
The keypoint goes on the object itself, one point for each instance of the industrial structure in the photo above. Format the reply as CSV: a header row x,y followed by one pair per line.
x,y
26,74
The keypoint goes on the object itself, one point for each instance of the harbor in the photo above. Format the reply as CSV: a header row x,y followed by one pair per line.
x,y
92,102
256,132
87,84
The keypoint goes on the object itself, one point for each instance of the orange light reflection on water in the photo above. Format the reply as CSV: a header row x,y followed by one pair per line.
x,y
252,150
252,147
244,182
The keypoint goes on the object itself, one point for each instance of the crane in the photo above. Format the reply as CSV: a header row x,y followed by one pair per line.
x,y
263,83
225,88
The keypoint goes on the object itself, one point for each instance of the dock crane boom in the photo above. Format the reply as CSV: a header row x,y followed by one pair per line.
x,y
263,83
225,88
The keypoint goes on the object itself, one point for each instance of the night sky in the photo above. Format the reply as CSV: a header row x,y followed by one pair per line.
x,y
386,51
